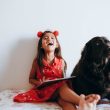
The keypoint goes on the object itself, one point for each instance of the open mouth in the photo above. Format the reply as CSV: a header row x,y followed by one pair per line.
x,y
50,44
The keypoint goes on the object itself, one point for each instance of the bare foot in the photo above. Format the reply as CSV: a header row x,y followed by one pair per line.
x,y
88,102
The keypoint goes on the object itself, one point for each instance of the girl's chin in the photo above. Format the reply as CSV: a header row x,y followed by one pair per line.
x,y
50,49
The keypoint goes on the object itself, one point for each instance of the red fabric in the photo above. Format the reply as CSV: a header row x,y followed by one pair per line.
x,y
49,71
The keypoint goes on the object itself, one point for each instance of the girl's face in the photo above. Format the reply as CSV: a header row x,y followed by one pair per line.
x,y
49,42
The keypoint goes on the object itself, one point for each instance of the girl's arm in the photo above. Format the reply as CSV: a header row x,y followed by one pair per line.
x,y
32,77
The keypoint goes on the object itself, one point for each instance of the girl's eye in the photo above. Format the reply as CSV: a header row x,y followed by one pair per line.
x,y
52,37
45,38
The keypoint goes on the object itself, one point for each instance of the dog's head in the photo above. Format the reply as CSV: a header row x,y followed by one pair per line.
x,y
96,54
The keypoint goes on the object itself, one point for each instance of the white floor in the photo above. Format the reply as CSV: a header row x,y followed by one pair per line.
x,y
6,103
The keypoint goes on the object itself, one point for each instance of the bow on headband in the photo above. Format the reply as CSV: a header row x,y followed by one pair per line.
x,y
39,34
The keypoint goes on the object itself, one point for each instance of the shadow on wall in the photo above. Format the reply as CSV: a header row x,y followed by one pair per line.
x,y
16,74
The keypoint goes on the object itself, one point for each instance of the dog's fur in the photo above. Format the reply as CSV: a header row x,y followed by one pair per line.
x,y
93,69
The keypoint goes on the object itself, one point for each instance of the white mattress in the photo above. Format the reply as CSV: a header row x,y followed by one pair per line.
x,y
6,103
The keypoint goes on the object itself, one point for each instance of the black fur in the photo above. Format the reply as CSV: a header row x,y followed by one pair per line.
x,y
93,69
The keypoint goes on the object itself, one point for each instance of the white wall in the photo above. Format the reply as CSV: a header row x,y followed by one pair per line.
x,y
76,20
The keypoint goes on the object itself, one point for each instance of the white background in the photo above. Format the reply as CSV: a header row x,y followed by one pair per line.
x,y
76,20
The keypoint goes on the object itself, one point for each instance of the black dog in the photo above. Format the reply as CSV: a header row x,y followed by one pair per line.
x,y
93,69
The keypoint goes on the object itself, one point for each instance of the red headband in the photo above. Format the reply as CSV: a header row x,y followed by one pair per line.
x,y
39,34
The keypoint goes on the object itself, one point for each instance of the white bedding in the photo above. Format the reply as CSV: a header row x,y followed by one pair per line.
x,y
6,103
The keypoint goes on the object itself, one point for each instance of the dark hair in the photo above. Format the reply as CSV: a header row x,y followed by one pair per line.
x,y
41,53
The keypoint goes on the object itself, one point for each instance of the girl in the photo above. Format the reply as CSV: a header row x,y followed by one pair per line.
x,y
48,65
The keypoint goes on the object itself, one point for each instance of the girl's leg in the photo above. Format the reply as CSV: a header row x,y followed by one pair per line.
x,y
69,95
66,105
72,98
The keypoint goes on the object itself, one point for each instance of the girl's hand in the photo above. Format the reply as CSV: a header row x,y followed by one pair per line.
x,y
44,79
35,82
39,82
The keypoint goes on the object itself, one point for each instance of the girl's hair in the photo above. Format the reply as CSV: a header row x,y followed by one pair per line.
x,y
41,53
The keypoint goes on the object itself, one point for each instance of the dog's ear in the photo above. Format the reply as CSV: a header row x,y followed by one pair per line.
x,y
86,53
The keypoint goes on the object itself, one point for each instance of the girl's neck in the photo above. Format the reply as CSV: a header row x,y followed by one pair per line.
x,y
49,57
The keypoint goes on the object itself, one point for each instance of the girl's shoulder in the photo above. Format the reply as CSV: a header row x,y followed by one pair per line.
x,y
60,60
